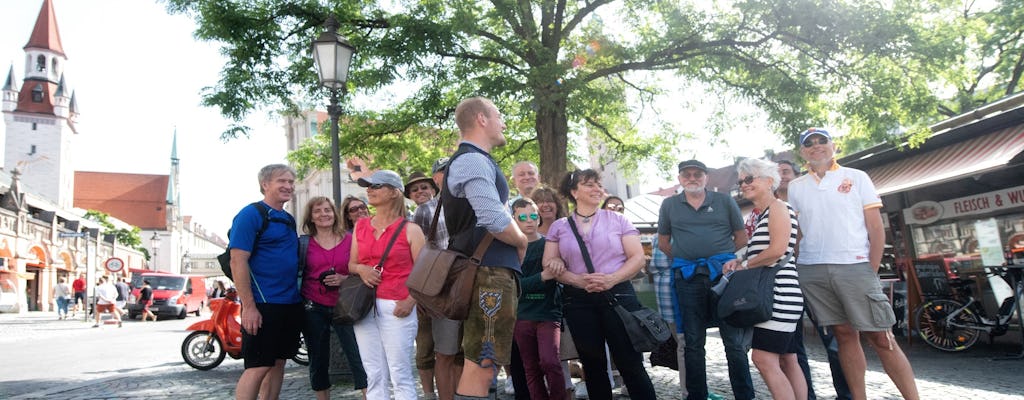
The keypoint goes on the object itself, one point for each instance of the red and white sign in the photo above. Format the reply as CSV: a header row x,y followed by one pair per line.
x,y
114,264
926,212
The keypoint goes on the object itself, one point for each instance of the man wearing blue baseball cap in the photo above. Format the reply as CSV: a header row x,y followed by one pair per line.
x,y
839,255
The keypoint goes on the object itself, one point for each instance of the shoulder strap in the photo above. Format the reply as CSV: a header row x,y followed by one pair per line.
x,y
583,247
391,242
265,213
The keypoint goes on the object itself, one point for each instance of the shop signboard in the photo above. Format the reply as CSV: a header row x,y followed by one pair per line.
x,y
932,279
926,212
989,245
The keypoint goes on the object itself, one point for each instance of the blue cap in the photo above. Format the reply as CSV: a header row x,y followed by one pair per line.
x,y
383,177
814,131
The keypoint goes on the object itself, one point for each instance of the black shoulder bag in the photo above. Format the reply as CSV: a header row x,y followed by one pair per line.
x,y
645,328
355,299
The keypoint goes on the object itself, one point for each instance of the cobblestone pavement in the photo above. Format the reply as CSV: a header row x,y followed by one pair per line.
x,y
970,375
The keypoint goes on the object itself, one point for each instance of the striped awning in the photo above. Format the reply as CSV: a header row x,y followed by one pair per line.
x,y
978,155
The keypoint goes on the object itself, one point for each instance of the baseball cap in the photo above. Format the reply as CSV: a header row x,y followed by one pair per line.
x,y
440,165
815,131
417,177
382,177
692,164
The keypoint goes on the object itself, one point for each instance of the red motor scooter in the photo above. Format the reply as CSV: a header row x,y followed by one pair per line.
x,y
221,335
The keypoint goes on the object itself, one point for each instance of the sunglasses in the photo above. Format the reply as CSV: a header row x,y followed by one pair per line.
x,y
812,141
419,188
358,208
377,186
748,180
533,216
692,175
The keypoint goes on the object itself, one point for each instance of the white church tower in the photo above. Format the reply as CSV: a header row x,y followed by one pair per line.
x,y
40,116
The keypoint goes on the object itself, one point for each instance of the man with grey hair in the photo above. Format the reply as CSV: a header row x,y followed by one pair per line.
x,y
264,264
526,177
700,230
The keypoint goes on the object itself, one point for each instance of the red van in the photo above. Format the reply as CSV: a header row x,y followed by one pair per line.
x,y
173,295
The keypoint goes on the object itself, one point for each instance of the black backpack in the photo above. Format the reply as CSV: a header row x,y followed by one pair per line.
x,y
225,258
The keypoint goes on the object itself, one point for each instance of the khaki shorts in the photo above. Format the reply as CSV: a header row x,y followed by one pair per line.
x,y
487,332
846,293
436,334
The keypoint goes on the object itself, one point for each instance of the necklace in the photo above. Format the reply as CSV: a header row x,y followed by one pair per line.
x,y
586,218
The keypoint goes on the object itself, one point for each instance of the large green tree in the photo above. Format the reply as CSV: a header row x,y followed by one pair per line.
x,y
564,70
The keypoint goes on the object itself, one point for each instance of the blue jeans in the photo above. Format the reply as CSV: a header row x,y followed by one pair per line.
x,y
62,306
699,312
317,332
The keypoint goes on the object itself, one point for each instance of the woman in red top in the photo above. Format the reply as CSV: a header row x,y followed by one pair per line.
x,y
386,335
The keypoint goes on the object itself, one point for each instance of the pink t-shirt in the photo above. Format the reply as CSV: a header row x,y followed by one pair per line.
x,y
319,260
396,267
604,242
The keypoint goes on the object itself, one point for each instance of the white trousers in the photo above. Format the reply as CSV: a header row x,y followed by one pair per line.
x,y
386,345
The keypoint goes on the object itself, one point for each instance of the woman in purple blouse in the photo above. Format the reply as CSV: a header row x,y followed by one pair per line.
x,y
615,251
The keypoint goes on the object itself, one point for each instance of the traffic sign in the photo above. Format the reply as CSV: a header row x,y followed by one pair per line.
x,y
72,234
114,264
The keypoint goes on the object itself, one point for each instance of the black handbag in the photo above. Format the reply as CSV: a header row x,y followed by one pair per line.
x,y
355,299
749,295
645,328
666,354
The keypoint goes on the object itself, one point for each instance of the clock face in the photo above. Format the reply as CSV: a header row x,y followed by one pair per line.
x,y
114,264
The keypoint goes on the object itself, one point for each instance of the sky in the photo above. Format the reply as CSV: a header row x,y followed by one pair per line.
x,y
138,74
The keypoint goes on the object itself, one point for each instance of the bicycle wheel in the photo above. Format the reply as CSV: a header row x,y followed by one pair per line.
x,y
935,330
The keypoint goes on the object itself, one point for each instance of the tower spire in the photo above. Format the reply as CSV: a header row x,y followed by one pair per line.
x,y
45,35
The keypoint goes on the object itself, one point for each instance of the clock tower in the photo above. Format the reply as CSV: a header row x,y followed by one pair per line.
x,y
40,115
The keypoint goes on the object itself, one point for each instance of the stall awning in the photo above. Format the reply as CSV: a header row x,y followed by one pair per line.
x,y
969,157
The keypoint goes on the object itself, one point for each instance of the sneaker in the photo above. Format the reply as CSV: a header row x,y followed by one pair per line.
x,y
96,326
581,391
509,388
118,324
715,396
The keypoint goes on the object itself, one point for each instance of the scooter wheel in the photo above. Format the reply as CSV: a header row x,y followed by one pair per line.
x,y
202,350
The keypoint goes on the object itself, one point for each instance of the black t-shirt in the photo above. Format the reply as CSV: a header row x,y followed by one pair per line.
x,y
146,294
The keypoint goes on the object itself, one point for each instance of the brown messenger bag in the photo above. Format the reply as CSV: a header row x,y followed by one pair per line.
x,y
442,280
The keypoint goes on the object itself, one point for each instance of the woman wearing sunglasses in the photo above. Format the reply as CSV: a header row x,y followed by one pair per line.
x,y
539,316
615,253
386,335
774,341
353,209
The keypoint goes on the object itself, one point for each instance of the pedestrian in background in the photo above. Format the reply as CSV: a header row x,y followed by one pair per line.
x,y
123,291
106,299
62,294
219,290
775,341
840,251
79,287
614,256
324,253
538,325
387,334
146,299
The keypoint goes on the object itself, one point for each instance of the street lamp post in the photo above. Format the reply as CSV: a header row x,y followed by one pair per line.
x,y
154,243
332,55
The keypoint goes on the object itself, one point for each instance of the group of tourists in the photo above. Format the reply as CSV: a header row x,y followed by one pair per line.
x,y
547,284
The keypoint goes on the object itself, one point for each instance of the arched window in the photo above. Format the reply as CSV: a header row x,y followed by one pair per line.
x,y
40,63
37,93
54,67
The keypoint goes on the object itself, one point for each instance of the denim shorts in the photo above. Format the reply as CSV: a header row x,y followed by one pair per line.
x,y
487,332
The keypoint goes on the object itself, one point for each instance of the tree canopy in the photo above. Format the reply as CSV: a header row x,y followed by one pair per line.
x,y
571,75
128,237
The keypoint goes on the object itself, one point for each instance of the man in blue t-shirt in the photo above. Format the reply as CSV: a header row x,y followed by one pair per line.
x,y
265,273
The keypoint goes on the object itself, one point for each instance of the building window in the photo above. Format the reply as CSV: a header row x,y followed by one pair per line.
x,y
37,93
34,126
40,63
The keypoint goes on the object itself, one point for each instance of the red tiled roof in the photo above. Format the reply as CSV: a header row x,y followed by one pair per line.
x,y
45,35
137,199
25,103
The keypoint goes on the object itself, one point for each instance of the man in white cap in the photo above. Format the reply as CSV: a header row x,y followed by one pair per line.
x,y
839,254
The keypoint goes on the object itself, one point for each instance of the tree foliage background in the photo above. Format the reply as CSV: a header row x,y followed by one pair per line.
x,y
575,75
124,236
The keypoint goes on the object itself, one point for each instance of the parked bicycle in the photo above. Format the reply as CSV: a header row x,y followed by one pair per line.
x,y
955,324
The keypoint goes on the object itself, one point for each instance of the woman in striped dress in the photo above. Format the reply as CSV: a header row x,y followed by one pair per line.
x,y
774,343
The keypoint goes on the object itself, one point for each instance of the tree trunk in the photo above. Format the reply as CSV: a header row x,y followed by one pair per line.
x,y
552,136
